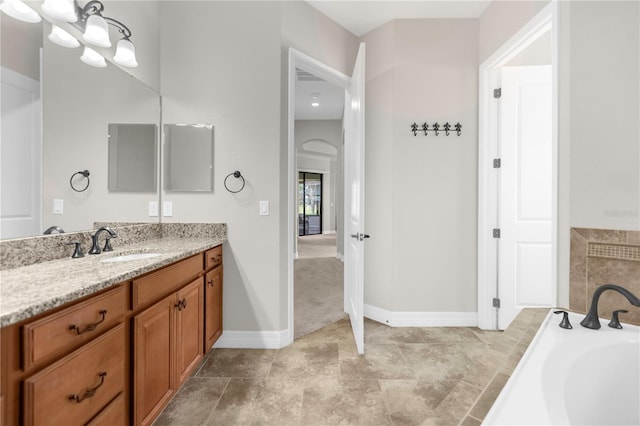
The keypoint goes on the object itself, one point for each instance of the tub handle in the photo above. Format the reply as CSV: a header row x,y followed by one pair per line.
x,y
615,322
565,320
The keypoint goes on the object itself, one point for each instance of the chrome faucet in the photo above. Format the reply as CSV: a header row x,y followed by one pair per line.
x,y
591,320
53,228
95,249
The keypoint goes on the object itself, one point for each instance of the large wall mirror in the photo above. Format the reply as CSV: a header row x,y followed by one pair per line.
x,y
77,105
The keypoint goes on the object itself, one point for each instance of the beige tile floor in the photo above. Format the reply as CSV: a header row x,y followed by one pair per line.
x,y
408,376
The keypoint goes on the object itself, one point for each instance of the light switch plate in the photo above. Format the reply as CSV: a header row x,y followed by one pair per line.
x,y
153,208
264,208
167,208
58,206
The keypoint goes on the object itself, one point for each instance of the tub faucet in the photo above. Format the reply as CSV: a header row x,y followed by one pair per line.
x,y
591,320
95,249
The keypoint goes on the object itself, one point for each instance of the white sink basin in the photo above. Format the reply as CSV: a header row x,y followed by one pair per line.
x,y
128,257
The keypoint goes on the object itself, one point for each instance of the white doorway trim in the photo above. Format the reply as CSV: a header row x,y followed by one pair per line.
x,y
545,20
300,60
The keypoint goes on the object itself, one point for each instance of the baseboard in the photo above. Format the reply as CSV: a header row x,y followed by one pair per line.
x,y
279,339
421,319
252,339
328,232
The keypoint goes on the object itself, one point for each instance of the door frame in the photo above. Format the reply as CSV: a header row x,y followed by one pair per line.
x,y
300,60
545,20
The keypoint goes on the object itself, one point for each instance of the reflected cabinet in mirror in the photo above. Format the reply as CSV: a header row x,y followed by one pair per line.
x,y
77,105
132,157
188,150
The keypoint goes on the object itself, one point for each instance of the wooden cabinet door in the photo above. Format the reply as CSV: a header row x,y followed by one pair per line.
x,y
213,307
189,330
153,345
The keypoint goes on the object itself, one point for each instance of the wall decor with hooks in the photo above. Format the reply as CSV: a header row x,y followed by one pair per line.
x,y
436,128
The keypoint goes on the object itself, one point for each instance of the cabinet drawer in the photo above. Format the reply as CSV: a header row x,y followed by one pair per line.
x,y
213,257
71,327
112,415
158,284
76,388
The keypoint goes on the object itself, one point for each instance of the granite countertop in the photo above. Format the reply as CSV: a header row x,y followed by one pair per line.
x,y
29,290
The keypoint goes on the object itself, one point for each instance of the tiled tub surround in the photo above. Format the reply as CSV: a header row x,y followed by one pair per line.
x,y
601,256
29,290
407,376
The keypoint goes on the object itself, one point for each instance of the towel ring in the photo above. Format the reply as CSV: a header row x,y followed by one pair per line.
x,y
236,175
84,173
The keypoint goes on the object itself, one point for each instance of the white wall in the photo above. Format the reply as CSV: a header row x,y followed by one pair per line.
x,y
226,63
330,132
421,191
598,67
604,116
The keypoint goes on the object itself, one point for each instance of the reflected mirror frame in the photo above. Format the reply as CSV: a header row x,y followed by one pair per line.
x,y
189,170
125,171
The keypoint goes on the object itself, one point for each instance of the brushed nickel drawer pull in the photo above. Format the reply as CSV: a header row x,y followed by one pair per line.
x,y
91,326
89,392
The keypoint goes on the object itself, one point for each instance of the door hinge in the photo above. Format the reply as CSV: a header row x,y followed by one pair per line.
x,y
496,232
497,163
496,302
497,93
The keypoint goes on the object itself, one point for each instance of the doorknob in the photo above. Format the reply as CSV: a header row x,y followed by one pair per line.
x,y
366,236
354,235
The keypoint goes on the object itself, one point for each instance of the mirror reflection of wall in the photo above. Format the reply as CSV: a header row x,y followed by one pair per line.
x,y
189,157
132,157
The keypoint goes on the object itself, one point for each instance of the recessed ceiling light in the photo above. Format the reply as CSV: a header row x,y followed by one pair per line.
x,y
315,104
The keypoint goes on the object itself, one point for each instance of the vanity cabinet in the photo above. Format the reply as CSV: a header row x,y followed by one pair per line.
x,y
213,307
167,336
68,365
115,357
76,388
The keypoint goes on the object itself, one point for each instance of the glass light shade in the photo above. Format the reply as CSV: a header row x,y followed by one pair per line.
x,y
20,11
62,38
97,31
93,58
63,10
125,54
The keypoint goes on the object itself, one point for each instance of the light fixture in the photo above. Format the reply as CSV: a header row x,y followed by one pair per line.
x,y
62,38
314,100
96,32
63,10
93,58
125,53
20,11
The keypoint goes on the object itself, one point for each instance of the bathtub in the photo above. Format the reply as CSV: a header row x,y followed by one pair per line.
x,y
574,377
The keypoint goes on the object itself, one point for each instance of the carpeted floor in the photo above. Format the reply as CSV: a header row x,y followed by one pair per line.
x,y
318,285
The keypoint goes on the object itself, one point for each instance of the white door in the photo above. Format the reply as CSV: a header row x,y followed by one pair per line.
x,y
526,273
20,156
354,200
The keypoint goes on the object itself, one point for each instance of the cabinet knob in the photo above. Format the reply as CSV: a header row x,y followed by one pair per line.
x,y
210,282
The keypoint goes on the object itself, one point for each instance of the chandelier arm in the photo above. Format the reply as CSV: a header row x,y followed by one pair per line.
x,y
124,30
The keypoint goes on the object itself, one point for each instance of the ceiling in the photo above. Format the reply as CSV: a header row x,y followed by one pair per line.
x,y
360,17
